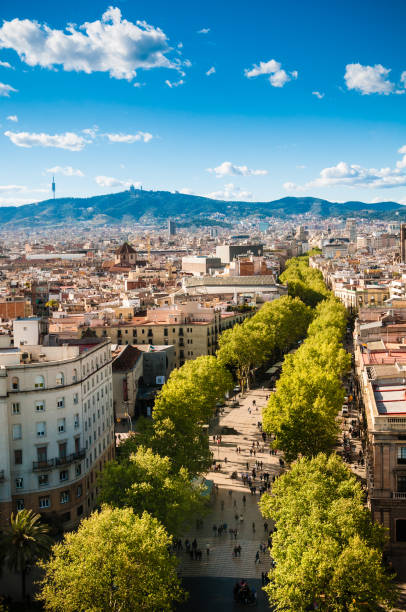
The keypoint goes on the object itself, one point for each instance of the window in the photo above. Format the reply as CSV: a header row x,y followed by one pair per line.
x,y
64,497
60,378
19,483
60,402
42,454
401,484
65,517
75,375
44,502
401,454
39,382
79,510
79,491
18,457
41,429
78,469
43,480
40,406
15,408
61,425
64,475
15,383
76,421
17,432
62,450
76,398
19,504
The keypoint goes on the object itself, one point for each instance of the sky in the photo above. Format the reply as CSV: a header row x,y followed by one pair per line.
x,y
232,100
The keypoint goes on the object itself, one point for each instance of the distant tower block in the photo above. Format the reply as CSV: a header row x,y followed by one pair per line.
x,y
351,229
53,187
403,242
171,228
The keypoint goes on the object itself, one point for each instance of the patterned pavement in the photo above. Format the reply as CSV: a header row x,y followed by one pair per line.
x,y
238,428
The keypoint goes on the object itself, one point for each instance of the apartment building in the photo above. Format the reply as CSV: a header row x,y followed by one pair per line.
x,y
192,329
56,424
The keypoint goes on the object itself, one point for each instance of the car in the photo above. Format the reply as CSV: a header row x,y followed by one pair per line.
x,y
237,389
344,411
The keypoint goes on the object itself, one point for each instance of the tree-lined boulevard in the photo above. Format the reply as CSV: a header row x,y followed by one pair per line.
x,y
326,553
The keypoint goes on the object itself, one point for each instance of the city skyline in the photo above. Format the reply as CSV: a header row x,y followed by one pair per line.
x,y
222,101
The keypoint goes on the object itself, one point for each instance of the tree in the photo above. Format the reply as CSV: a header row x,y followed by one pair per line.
x,y
326,549
186,402
115,561
25,541
144,481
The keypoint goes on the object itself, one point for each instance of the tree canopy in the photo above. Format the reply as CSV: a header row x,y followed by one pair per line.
x,y
115,561
326,549
145,481
309,393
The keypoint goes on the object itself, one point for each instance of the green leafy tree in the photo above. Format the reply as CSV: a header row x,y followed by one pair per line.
x,y
145,481
115,561
184,405
327,550
25,541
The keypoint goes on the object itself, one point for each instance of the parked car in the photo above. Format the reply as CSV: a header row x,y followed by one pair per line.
x,y
344,411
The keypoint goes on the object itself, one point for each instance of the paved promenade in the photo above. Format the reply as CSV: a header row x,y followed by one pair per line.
x,y
238,428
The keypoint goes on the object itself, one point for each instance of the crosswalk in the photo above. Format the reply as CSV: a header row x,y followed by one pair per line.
x,y
221,562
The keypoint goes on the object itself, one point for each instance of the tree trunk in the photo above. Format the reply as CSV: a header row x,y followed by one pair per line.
x,y
23,586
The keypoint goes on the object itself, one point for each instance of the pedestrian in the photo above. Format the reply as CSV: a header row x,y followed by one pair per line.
x,y
208,549
225,459
215,528
194,544
244,500
247,465
235,503
253,527
241,518
222,505
266,527
257,559
230,492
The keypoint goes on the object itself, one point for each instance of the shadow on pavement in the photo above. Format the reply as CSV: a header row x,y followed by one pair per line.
x,y
216,595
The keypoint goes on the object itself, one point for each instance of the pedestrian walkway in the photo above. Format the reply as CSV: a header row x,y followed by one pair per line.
x,y
238,428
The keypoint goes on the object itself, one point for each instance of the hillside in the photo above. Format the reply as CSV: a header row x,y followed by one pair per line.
x,y
147,205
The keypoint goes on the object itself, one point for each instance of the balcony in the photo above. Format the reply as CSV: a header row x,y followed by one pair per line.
x,y
399,495
40,466
2,476
70,458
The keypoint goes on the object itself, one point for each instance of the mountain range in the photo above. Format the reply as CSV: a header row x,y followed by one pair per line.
x,y
146,206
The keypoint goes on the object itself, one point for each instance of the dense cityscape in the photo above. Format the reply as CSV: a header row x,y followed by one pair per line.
x,y
197,375
202,306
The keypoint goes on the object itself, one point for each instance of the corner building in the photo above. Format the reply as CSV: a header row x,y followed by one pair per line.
x,y
56,427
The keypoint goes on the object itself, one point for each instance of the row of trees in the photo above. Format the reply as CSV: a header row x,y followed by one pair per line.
x,y
120,557
327,552
309,394
275,328
304,282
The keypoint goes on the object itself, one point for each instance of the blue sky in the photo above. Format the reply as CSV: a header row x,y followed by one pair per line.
x,y
230,99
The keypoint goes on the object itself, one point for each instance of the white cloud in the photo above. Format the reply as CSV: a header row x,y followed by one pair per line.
x,y
186,191
210,71
278,76
229,169
5,65
174,84
13,118
130,138
318,94
351,175
17,195
203,31
369,79
5,90
110,181
230,192
65,170
67,140
110,44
